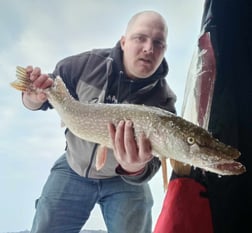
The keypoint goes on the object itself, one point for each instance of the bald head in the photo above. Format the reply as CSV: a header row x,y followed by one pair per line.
x,y
144,44
156,19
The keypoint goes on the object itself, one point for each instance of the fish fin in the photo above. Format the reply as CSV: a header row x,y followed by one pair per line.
x,y
164,172
101,157
22,82
180,168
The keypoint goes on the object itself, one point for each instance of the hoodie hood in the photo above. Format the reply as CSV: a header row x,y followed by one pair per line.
x,y
125,89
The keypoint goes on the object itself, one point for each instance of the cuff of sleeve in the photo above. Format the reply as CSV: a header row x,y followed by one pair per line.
x,y
150,170
120,171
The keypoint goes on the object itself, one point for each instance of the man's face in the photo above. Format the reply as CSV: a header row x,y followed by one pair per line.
x,y
143,46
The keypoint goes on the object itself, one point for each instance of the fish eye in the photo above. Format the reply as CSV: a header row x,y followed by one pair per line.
x,y
190,140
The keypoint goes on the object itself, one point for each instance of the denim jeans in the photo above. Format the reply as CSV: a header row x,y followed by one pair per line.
x,y
67,200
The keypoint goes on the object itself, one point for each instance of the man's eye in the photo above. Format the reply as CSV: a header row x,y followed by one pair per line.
x,y
140,38
159,44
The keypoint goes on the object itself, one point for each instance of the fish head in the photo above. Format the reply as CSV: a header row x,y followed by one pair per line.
x,y
181,140
197,147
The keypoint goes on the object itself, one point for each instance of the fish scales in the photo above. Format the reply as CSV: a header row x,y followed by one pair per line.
x,y
79,118
171,136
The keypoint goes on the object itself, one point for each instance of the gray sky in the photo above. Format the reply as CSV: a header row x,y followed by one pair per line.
x,y
40,33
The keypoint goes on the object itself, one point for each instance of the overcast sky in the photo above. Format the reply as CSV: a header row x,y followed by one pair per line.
x,y
40,33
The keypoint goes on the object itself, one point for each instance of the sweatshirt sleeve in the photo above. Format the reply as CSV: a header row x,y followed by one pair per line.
x,y
150,170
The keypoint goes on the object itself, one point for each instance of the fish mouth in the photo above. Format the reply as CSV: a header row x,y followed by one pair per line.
x,y
218,162
227,167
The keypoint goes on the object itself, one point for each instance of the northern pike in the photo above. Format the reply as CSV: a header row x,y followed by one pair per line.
x,y
170,135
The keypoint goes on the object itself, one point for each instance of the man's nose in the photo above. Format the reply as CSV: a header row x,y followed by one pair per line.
x,y
148,46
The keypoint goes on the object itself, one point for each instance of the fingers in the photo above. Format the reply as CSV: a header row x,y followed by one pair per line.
x,y
124,143
41,81
129,145
33,98
29,69
119,139
35,73
145,147
129,153
112,130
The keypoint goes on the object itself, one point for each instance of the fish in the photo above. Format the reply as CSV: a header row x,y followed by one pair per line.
x,y
170,135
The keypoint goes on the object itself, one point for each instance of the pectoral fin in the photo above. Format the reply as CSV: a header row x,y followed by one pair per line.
x,y
101,156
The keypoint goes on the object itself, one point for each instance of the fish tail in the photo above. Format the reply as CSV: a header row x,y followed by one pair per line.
x,y
22,83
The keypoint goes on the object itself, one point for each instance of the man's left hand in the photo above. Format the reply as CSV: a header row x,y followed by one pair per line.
x,y
132,155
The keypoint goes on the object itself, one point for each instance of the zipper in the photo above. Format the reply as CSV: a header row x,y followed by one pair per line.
x,y
119,86
91,160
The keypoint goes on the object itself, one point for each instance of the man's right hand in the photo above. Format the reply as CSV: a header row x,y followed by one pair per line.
x,y
34,100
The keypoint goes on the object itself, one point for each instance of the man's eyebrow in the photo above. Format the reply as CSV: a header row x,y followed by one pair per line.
x,y
158,38
139,34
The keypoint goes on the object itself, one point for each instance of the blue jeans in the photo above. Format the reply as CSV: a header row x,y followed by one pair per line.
x,y
67,200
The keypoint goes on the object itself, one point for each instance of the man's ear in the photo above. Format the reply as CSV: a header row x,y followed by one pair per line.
x,y
122,42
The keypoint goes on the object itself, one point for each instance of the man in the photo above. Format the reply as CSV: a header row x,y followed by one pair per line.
x,y
133,71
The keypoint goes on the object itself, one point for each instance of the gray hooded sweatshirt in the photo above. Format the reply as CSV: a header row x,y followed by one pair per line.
x,y
98,76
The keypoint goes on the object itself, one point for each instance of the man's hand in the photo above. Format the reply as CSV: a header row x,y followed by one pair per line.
x,y
34,100
130,154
